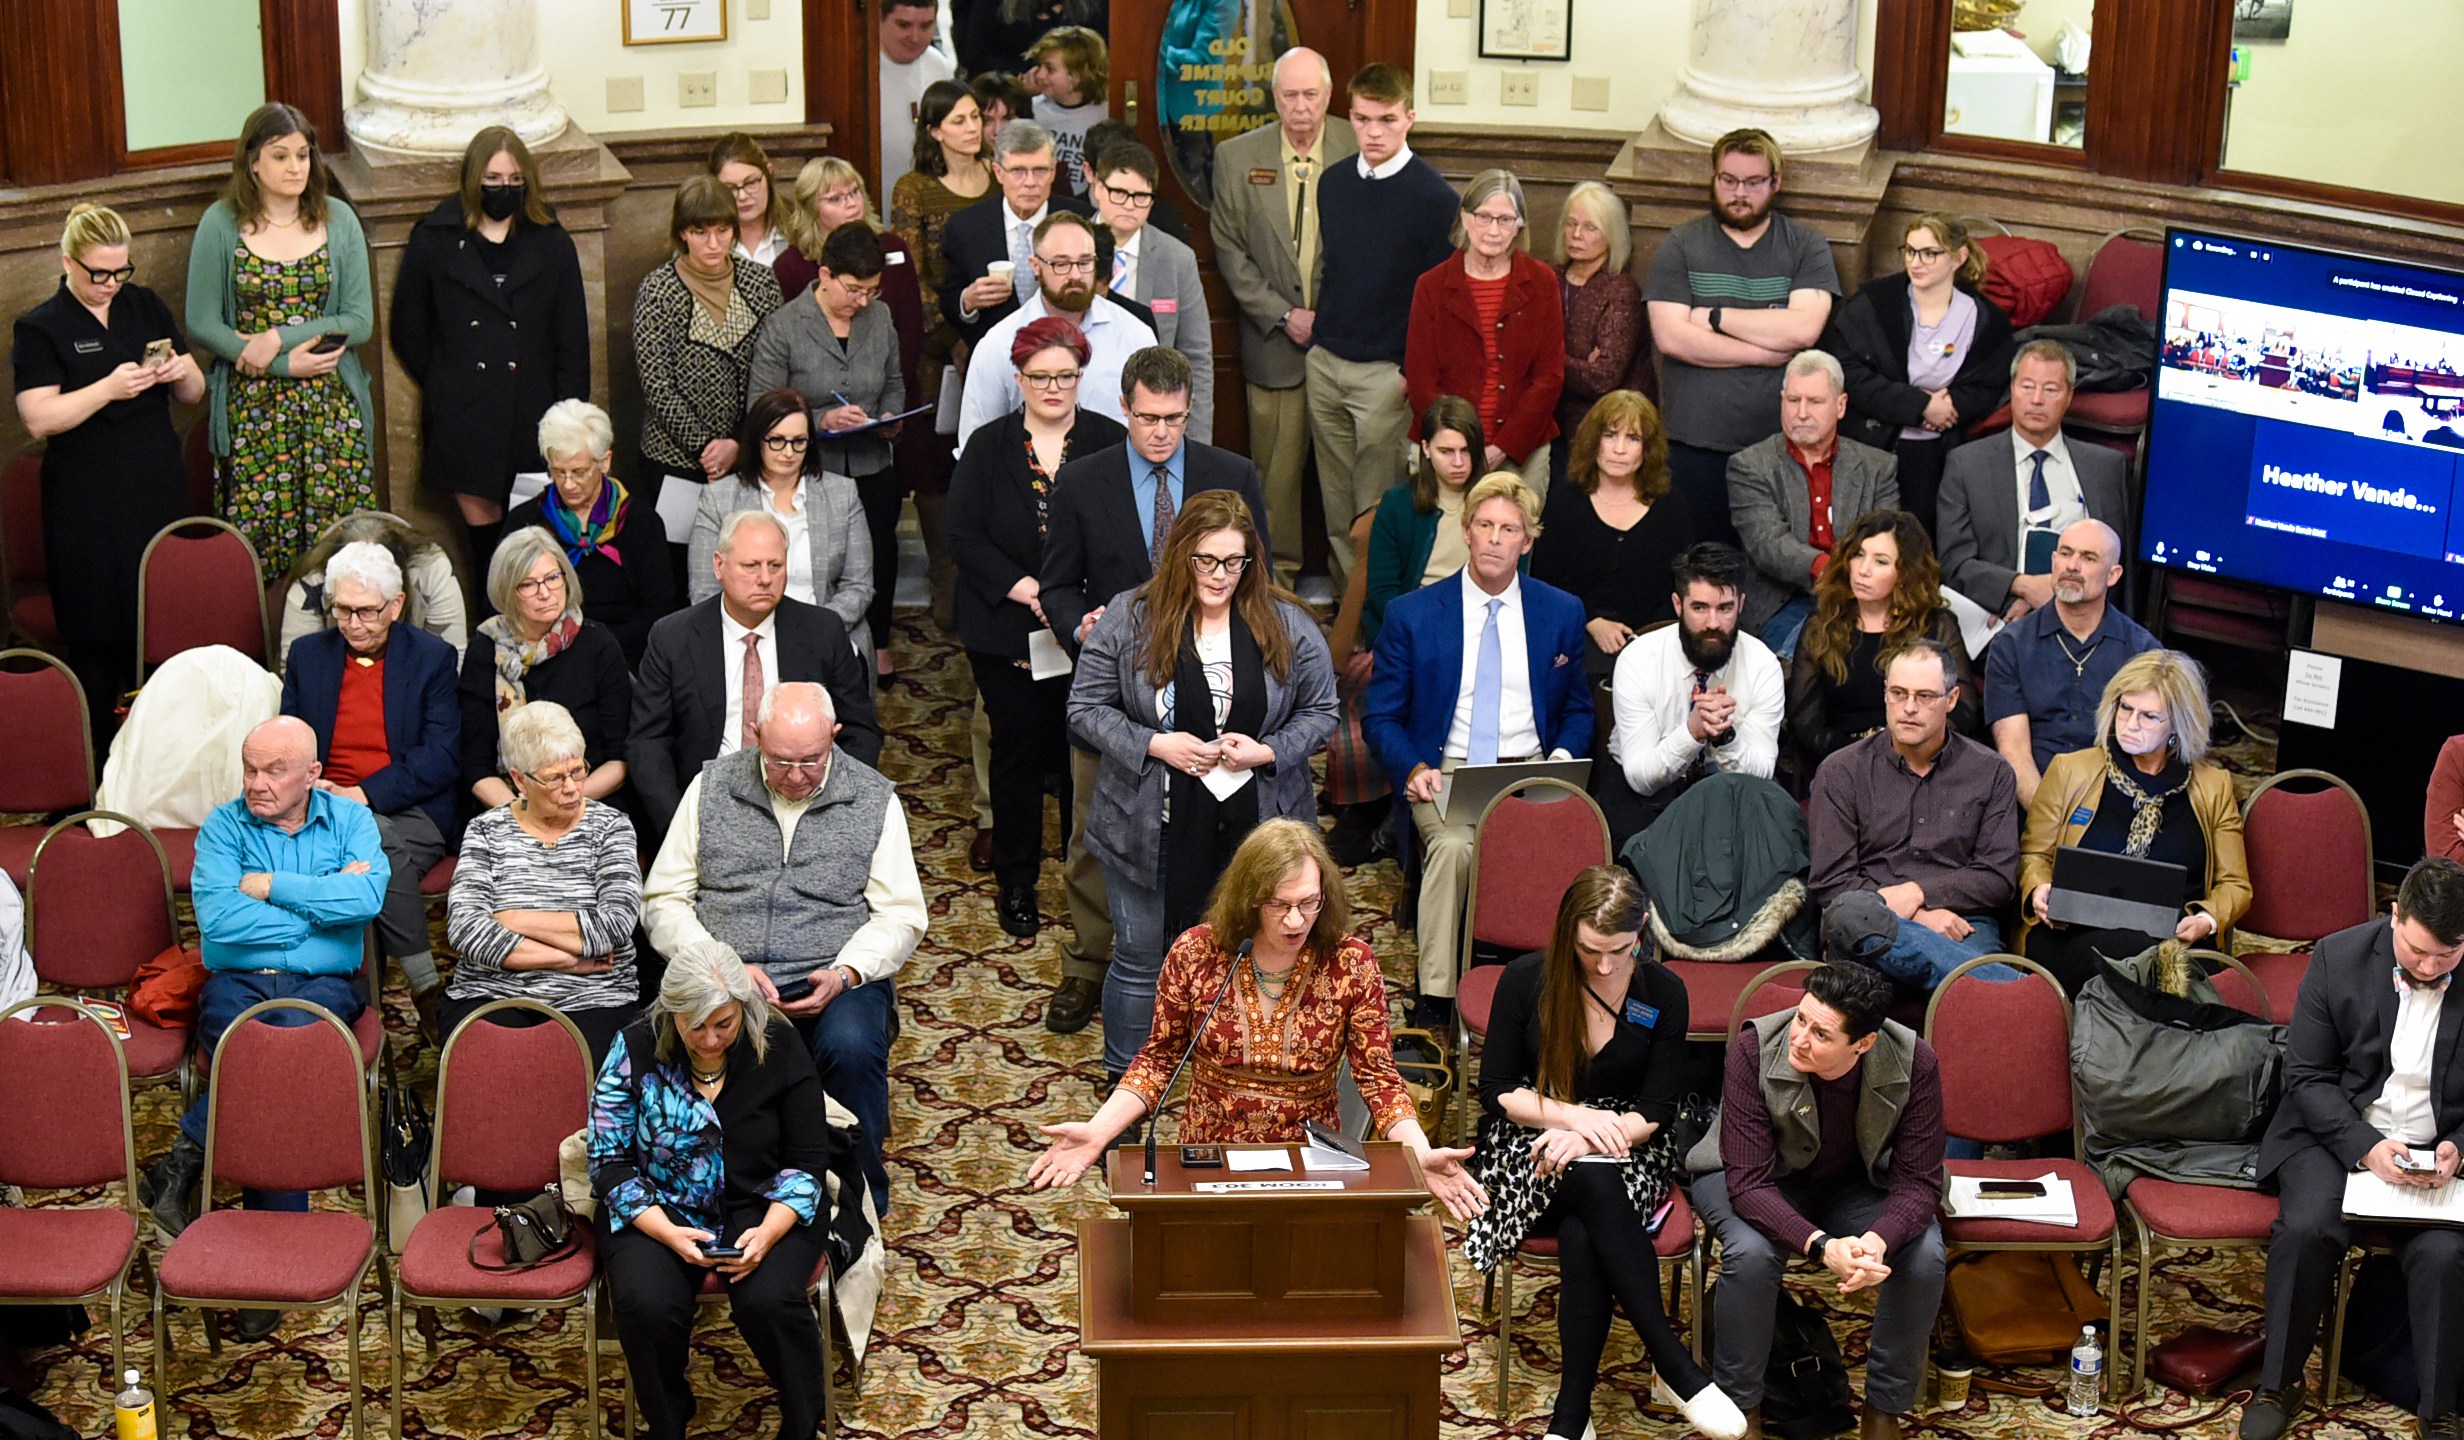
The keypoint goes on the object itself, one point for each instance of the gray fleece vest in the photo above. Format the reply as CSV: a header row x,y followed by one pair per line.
x,y
789,909
1796,1126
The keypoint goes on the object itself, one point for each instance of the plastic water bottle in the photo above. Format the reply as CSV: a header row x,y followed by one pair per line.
x,y
133,1410
2087,1374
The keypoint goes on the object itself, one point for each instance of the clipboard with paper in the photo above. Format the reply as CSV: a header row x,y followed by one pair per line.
x,y
870,426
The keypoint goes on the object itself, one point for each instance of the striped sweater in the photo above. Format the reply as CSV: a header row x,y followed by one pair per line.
x,y
593,873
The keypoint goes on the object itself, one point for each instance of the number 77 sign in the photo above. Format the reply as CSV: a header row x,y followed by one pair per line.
x,y
674,22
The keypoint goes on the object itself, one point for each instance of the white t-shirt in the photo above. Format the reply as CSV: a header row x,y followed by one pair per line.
x,y
902,90
1069,125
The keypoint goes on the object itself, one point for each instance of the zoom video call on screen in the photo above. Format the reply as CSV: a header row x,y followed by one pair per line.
x,y
2308,423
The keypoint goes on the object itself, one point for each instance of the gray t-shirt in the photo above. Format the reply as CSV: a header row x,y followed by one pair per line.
x,y
1697,265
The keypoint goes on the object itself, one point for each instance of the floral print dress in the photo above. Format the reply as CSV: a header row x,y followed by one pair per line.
x,y
300,453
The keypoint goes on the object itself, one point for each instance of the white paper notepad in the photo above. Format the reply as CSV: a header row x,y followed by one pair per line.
x,y
1250,1162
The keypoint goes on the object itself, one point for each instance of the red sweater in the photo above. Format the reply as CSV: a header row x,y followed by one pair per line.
x,y
1447,352
359,749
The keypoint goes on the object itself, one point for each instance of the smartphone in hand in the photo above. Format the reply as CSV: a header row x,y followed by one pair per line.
x,y
327,344
717,1251
157,351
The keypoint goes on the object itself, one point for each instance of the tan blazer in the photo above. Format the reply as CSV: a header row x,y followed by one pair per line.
x,y
2066,803
1254,247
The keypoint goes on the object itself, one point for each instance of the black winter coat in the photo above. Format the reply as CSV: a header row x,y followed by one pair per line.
x,y
1868,335
489,360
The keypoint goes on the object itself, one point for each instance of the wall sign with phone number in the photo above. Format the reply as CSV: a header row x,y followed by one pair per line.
x,y
674,22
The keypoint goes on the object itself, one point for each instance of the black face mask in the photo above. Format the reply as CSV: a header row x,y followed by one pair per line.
x,y
500,202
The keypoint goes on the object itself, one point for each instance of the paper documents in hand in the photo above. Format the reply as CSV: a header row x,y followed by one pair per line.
x,y
2057,1206
1045,657
2368,1197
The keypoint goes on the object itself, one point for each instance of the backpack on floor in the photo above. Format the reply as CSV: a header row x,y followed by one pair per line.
x,y
1805,1394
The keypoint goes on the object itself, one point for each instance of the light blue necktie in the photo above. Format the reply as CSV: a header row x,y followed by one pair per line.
x,y
1488,681
1022,258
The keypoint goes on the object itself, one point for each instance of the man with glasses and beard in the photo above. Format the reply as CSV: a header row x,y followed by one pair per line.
x,y
1065,262
1691,699
1731,296
1921,822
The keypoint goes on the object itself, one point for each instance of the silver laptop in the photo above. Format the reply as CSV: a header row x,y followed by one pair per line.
x,y
2103,891
1470,788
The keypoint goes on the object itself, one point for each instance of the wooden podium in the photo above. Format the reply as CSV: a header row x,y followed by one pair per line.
x,y
1264,1305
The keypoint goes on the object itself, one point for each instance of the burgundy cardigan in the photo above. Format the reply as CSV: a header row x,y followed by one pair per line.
x,y
1445,355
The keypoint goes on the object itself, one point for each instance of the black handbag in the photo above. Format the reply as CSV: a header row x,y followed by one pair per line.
x,y
538,1231
407,1137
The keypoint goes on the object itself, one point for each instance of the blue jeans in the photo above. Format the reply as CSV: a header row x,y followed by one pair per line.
x,y
1786,623
226,995
1138,946
1921,957
851,1048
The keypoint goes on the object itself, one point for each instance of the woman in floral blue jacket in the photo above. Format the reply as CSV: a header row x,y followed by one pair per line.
x,y
708,1131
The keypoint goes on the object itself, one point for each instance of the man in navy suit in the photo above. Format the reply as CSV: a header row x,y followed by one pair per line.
x,y
1482,668
380,695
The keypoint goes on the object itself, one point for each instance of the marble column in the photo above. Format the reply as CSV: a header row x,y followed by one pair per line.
x,y
440,70
1786,66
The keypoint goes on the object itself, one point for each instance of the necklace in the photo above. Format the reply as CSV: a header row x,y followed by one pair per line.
x,y
2078,662
712,1078
1272,982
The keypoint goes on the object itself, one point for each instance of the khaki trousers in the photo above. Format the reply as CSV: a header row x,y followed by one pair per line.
x,y
1445,886
1279,445
979,745
1089,951
1358,417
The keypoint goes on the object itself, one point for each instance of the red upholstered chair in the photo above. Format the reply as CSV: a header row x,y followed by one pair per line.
x,y
1680,1252
2176,1216
198,585
66,1126
2004,1049
439,879
287,1111
96,910
2312,861
1527,848
50,749
25,572
2128,268
506,1098
1767,993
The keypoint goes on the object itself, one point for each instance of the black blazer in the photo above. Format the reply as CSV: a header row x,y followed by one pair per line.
x,y
1868,335
971,241
490,360
681,688
423,723
2335,1058
994,537
588,678
627,598
1093,547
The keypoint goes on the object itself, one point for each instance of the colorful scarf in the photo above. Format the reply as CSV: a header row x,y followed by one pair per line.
x,y
2148,794
595,535
515,656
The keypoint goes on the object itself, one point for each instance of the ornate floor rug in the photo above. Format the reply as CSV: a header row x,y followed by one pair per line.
x,y
976,1334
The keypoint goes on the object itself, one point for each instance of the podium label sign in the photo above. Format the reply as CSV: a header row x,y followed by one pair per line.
x,y
1236,1187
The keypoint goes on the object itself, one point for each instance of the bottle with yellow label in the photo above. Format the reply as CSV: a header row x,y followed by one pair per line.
x,y
134,1409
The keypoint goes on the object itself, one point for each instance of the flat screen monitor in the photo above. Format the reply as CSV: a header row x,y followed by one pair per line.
x,y
2307,429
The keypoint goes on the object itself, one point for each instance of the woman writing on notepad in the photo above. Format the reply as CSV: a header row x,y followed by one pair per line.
x,y
2144,790
1298,995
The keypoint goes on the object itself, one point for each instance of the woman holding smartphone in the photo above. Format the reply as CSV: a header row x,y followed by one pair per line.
x,y
98,365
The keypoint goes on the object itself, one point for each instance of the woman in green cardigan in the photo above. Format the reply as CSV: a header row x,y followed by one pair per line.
x,y
278,294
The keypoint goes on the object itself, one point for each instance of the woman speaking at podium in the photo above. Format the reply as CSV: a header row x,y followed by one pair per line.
x,y
1274,992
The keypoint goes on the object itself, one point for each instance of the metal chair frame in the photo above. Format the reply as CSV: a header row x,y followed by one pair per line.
x,y
186,1074
1498,1298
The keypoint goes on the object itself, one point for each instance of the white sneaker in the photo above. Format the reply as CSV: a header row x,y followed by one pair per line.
x,y
1709,1411
1589,1433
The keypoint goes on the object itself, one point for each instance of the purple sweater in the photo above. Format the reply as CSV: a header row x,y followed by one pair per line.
x,y
1748,1152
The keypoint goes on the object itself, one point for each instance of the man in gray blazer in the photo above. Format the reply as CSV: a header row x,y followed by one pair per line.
x,y
2000,491
1156,270
1265,225
1771,488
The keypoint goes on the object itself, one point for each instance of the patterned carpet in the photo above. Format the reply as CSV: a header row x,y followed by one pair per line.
x,y
976,1335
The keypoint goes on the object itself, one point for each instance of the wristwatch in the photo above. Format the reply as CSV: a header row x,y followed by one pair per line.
x,y
1715,319
1815,1246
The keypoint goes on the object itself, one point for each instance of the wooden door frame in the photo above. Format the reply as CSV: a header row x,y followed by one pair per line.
x,y
842,84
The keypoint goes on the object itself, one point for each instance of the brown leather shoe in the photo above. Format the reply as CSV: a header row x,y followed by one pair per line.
x,y
1753,1422
1877,1425
423,1004
979,854
1072,1006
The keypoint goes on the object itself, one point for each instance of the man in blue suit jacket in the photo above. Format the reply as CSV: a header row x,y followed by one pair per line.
x,y
1432,705
380,695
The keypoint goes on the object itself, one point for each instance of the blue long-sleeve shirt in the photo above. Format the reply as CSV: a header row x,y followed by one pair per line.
x,y
312,922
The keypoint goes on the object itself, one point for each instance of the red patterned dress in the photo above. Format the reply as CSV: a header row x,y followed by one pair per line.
x,y
1255,1078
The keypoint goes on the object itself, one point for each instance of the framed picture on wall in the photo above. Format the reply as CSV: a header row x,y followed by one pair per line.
x,y
2262,19
1526,29
674,22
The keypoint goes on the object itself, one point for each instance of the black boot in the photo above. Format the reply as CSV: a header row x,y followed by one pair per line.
x,y
169,1189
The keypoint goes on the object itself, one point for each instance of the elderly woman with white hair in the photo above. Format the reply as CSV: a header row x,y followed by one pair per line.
x,y
1608,339
379,693
548,890
538,646
611,534
1487,326
710,1148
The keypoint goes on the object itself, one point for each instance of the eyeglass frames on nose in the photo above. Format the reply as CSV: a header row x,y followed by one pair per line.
x,y
1491,222
1051,379
1220,564
1082,265
1746,184
120,276
1134,199
786,443
1925,256
1308,909
742,188
540,585
1900,696
796,767
360,614
571,775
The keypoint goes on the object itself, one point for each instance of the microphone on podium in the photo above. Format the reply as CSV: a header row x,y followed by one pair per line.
x,y
1155,1121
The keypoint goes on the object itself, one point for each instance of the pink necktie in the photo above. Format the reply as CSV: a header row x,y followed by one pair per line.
x,y
752,690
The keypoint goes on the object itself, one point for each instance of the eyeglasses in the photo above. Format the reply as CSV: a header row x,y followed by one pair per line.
x,y
1307,909
1745,184
1920,698
796,767
1173,421
570,775
539,585
1027,172
1926,256
785,444
361,614
842,196
1487,221
1083,265
562,473
1220,564
1052,379
861,292
1134,199
743,188
120,276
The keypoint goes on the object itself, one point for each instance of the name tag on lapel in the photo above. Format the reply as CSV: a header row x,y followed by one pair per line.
x,y
1263,175
895,257
2082,815
88,347
1638,1013
1164,306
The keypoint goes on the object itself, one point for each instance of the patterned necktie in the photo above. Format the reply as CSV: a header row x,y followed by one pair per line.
x,y
1488,685
1304,230
752,692
1163,517
2039,497
1022,260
